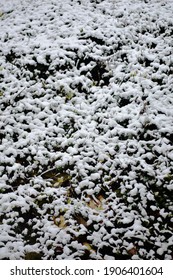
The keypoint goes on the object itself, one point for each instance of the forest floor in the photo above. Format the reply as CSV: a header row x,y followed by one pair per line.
x,y
86,129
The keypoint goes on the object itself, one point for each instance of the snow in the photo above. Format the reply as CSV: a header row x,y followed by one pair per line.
x,y
86,126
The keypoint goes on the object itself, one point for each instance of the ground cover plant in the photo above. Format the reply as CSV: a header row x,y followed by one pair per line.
x,y
86,129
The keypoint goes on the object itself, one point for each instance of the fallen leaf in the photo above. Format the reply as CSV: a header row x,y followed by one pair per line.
x,y
60,221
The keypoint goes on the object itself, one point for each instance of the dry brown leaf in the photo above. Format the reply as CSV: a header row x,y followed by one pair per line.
x,y
96,203
80,220
132,251
88,246
60,221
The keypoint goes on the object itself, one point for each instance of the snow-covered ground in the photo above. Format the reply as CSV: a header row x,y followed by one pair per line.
x,y
86,129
